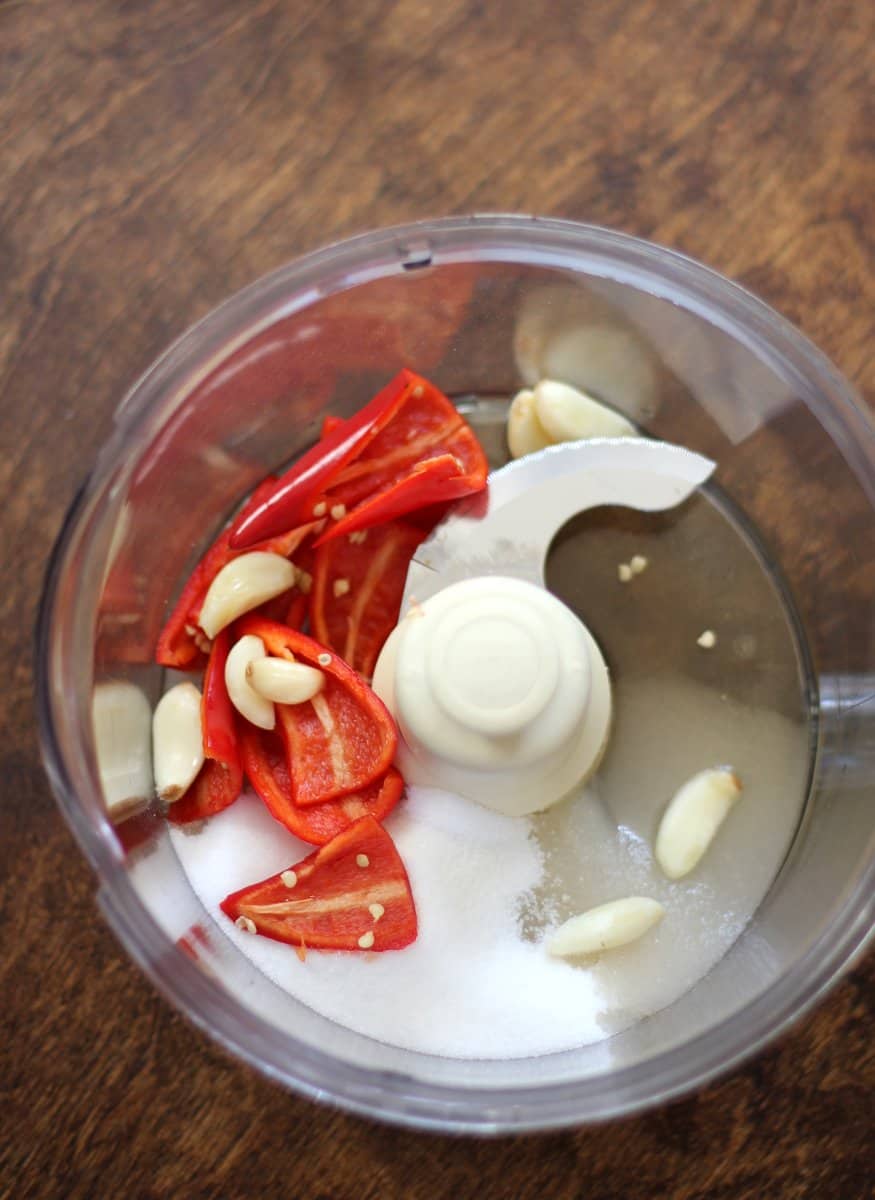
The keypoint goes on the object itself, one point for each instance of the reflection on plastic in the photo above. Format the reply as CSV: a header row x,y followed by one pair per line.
x,y
570,334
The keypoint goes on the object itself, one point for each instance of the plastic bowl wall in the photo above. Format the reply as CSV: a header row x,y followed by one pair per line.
x,y
481,305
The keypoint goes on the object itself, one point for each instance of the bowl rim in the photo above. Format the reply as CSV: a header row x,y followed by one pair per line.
x,y
393,1097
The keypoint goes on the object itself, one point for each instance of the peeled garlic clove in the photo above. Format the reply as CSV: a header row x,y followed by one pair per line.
x,y
243,696
693,817
122,720
242,584
606,927
177,741
284,682
524,432
567,415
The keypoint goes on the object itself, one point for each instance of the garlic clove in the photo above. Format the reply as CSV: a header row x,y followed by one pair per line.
x,y
248,702
243,584
567,415
122,721
524,432
606,927
177,741
284,682
692,819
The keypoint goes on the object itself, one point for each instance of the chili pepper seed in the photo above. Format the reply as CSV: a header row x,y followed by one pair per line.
x,y
289,878
366,940
362,860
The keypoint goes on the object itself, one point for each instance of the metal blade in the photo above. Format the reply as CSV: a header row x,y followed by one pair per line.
x,y
509,529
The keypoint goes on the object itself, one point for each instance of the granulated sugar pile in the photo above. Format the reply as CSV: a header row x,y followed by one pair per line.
x,y
470,986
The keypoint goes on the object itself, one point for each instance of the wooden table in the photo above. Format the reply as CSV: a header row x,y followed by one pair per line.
x,y
156,156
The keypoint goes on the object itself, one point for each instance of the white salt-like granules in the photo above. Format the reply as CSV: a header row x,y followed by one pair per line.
x,y
470,986
478,981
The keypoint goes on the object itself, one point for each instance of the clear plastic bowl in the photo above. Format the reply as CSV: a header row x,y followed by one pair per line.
x,y
479,304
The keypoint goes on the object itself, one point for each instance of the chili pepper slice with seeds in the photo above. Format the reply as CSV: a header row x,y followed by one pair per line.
x,y
340,741
351,894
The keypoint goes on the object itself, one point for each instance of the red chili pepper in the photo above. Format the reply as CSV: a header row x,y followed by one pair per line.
x,y
425,484
266,767
220,780
178,644
417,424
357,622
217,711
289,501
341,740
299,607
427,455
329,425
296,613
352,894
426,424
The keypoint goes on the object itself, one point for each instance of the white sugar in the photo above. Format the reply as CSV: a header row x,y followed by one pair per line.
x,y
478,983
470,986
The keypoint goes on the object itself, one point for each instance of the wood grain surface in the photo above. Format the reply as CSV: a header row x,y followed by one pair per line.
x,y
155,156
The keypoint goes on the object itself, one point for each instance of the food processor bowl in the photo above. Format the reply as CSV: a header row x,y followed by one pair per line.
x,y
481,305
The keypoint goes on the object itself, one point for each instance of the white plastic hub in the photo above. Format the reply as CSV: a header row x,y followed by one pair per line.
x,y
491,661
500,694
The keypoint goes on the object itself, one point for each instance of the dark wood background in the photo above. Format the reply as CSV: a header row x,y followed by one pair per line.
x,y
156,155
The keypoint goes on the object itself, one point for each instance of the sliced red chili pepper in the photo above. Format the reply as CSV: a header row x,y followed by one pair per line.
x,y
417,423
329,425
423,425
425,455
289,502
341,740
216,787
298,608
357,622
351,894
424,485
296,614
178,644
266,767
217,711
220,780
